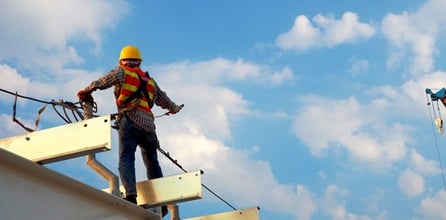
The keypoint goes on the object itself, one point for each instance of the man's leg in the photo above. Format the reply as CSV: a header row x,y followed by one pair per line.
x,y
127,148
149,147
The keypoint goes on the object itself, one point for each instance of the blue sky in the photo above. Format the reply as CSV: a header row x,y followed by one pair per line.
x,y
307,109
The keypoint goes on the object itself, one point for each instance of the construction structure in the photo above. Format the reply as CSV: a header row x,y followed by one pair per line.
x,y
29,190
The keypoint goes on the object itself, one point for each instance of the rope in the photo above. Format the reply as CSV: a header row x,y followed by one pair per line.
x,y
75,109
436,140
168,113
185,171
21,96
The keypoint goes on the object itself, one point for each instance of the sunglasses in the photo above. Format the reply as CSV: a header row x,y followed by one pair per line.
x,y
130,62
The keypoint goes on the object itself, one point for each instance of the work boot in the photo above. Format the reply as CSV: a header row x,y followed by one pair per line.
x,y
131,198
164,210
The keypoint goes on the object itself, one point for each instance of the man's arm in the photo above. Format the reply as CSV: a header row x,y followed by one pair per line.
x,y
113,77
162,100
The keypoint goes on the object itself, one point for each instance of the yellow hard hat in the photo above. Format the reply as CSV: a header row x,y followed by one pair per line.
x,y
130,52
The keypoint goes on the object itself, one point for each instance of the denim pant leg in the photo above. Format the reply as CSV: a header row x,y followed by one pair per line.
x,y
127,147
149,144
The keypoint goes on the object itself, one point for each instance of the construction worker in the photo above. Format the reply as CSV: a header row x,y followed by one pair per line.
x,y
136,93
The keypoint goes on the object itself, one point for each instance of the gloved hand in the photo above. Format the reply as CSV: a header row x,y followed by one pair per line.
x,y
176,109
84,95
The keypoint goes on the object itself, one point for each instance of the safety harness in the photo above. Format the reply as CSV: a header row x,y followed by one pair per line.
x,y
129,93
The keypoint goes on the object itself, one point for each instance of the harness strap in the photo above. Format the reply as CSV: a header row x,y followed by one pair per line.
x,y
137,94
144,89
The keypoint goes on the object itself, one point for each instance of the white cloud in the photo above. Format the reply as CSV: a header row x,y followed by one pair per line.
x,y
215,115
431,16
358,66
333,206
211,106
373,201
233,173
325,32
301,37
370,131
306,206
411,183
406,38
15,82
43,30
62,86
347,29
434,207
423,166
412,36
325,125
10,128
410,98
219,71
40,47
281,76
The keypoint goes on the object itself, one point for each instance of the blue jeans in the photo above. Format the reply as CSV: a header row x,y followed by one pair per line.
x,y
130,136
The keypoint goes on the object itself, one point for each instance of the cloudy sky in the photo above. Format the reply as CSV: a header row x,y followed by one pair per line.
x,y
307,109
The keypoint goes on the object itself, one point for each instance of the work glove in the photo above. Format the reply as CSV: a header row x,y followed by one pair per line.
x,y
176,109
84,95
